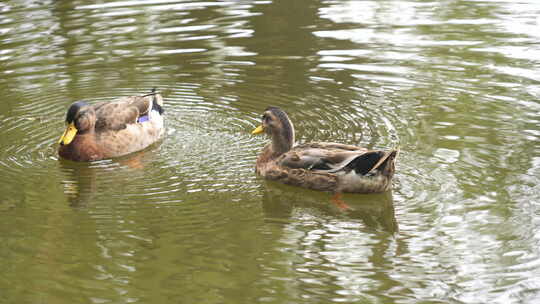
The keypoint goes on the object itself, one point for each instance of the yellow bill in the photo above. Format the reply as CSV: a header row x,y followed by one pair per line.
x,y
68,135
258,130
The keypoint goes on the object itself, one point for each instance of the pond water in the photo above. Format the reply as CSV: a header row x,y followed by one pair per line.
x,y
455,84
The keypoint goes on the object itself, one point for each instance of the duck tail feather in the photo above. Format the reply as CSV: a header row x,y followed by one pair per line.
x,y
157,101
156,105
365,163
370,161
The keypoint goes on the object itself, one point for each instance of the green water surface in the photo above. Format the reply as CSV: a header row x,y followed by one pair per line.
x,y
455,84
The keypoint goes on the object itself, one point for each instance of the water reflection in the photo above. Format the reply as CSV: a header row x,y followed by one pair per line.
x,y
331,251
283,202
79,183
454,82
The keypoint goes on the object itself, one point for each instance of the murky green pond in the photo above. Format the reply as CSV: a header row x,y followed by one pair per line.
x,y
456,84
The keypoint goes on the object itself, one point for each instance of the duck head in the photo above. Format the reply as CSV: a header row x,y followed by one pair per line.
x,y
80,118
277,125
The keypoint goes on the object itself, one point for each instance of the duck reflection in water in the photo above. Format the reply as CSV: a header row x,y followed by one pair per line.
x,y
79,182
82,180
376,211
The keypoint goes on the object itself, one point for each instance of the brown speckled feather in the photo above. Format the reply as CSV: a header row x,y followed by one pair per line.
x,y
338,178
117,114
312,155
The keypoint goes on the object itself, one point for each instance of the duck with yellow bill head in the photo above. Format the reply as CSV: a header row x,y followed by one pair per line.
x,y
112,129
322,166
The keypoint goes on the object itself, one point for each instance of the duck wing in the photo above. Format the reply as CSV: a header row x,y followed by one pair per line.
x,y
372,161
321,157
335,158
115,115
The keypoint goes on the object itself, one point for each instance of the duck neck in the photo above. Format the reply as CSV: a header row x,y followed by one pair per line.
x,y
282,142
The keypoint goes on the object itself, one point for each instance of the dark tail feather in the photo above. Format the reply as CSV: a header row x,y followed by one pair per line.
x,y
364,163
371,161
155,105
152,92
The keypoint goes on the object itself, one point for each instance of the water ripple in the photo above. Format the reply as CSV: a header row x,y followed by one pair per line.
x,y
452,84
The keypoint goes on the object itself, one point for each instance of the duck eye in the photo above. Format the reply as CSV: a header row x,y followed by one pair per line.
x,y
266,117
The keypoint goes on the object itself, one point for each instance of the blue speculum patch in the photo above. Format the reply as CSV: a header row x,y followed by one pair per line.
x,y
143,118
